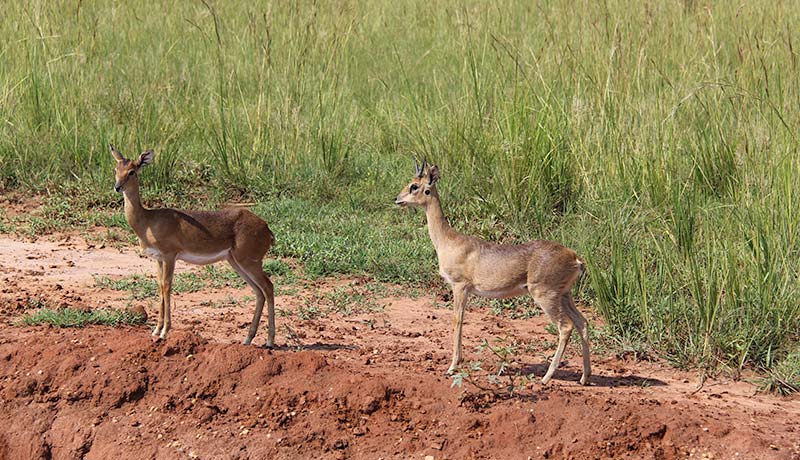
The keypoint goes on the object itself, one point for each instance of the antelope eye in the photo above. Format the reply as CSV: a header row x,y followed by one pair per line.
x,y
131,173
427,192
414,187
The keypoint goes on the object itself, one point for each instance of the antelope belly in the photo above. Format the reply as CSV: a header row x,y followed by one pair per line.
x,y
512,291
202,259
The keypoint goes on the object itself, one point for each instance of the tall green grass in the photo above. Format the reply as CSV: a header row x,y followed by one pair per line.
x,y
659,139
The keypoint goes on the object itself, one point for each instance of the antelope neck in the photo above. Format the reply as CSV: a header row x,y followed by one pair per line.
x,y
438,227
134,211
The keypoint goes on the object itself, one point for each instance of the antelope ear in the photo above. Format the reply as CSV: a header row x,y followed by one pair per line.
x,y
433,174
115,153
145,159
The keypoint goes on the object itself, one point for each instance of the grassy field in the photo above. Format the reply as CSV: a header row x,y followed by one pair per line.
x,y
657,138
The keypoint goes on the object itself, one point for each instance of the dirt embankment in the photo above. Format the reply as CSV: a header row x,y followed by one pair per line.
x,y
364,385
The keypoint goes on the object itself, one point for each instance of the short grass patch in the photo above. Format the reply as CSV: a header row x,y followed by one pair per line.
x,y
70,317
139,286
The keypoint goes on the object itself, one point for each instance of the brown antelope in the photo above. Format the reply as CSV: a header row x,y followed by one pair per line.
x,y
197,237
544,269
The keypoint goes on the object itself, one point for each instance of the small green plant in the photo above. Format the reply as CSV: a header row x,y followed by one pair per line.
x,y
467,374
500,371
70,317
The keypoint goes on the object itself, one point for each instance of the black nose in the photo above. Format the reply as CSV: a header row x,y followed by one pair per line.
x,y
117,188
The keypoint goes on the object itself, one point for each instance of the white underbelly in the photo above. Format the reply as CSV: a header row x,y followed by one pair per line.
x,y
202,259
502,293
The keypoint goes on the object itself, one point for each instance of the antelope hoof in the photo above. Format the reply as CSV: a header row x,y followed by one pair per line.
x,y
156,331
247,341
155,338
585,380
269,346
545,379
451,370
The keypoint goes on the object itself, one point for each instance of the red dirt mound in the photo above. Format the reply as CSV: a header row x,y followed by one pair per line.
x,y
102,393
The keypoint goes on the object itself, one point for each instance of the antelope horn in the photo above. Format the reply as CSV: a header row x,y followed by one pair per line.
x,y
422,169
416,168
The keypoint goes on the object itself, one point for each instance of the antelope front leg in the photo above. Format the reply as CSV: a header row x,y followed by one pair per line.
x,y
169,269
460,297
160,320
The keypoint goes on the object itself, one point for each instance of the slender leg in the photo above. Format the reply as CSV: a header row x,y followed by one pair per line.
x,y
551,304
580,323
160,279
169,269
460,297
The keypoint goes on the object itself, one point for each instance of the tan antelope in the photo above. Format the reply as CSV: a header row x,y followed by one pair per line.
x,y
197,237
544,269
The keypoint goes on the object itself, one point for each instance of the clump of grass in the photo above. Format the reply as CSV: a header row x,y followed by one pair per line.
x,y
783,378
70,317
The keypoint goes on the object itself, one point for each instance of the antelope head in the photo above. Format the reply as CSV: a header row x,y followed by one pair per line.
x,y
125,170
421,188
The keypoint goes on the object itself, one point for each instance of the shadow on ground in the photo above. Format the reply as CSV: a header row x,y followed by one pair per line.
x,y
596,380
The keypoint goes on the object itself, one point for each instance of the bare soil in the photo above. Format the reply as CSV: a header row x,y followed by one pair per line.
x,y
363,384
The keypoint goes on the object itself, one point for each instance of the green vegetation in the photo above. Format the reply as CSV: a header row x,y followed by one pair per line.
x,y
784,378
70,317
500,368
340,237
659,139
140,286
354,298
144,286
